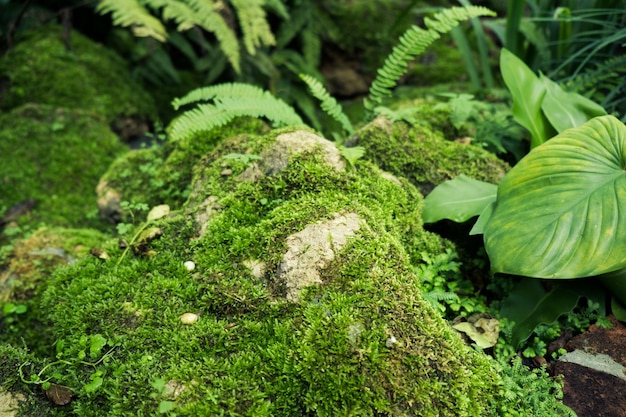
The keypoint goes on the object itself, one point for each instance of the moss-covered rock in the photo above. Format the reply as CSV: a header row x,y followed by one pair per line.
x,y
302,297
164,173
422,155
54,156
41,69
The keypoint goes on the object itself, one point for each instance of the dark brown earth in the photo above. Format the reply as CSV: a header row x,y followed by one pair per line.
x,y
590,392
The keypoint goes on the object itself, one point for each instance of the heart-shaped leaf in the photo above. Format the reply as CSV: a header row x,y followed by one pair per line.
x,y
561,211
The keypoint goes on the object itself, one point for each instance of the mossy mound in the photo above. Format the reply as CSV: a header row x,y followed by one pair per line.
x,y
422,155
41,69
56,157
164,173
303,301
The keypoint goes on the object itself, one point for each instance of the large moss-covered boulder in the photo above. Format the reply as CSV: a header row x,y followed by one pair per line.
x,y
284,286
53,157
45,67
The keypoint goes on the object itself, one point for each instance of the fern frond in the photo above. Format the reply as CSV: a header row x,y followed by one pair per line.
x,y
300,17
233,90
130,13
225,108
352,154
252,19
328,103
611,70
177,11
278,7
208,17
414,42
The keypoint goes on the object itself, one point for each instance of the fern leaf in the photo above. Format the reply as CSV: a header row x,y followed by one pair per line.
x,y
177,11
131,13
207,17
256,30
235,90
242,102
414,42
328,103
300,17
352,154
278,7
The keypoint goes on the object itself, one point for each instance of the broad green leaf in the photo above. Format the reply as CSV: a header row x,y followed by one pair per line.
x,y
528,93
560,212
530,304
459,199
566,110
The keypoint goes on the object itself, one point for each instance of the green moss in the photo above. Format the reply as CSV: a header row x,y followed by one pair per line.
x,y
362,342
56,157
40,69
24,276
162,175
423,156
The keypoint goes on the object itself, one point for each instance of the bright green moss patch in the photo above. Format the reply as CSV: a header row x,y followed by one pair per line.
x,y
357,340
40,69
56,157
423,156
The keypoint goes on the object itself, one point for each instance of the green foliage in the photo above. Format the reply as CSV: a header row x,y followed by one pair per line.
x,y
540,105
237,99
483,67
412,43
546,307
352,154
445,288
230,100
570,42
604,82
489,123
562,219
459,200
187,14
530,393
131,13
328,103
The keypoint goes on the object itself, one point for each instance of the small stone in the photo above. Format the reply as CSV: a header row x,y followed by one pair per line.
x,y
391,340
226,172
99,253
189,318
189,265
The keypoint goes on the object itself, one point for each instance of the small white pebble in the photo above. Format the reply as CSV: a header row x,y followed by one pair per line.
x,y
190,265
391,341
189,318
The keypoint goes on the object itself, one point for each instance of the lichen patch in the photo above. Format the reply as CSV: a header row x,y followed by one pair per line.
x,y
310,251
9,403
